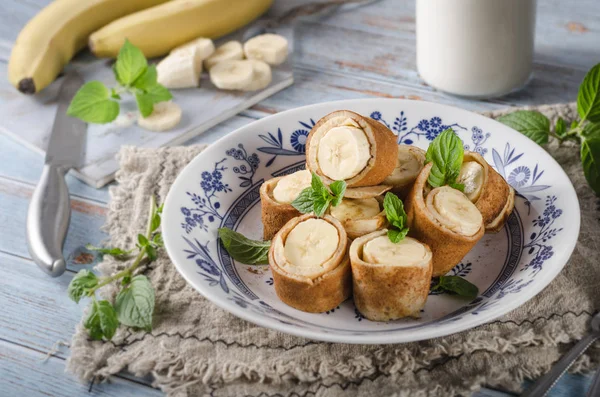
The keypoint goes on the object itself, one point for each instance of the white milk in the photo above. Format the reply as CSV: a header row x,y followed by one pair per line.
x,y
476,48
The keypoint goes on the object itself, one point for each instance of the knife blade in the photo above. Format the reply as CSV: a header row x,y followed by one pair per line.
x,y
49,210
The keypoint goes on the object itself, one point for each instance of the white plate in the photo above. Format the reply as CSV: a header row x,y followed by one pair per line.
x,y
220,187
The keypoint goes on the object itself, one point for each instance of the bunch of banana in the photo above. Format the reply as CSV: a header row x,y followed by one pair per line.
x,y
159,29
49,41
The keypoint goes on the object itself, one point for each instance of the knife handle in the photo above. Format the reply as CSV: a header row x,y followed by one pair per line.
x,y
48,220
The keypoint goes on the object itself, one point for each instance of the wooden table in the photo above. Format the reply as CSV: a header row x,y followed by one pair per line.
x,y
367,53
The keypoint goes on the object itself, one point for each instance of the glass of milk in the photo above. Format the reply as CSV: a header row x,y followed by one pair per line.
x,y
475,48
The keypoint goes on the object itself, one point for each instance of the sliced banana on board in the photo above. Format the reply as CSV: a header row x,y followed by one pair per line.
x,y
455,211
354,209
343,152
261,77
270,48
230,51
232,75
289,187
471,175
165,116
204,46
180,69
309,245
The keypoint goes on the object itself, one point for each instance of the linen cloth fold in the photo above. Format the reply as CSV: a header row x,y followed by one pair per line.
x,y
198,349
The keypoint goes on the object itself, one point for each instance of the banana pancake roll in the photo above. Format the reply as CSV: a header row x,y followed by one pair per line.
x,y
488,190
276,196
360,216
347,146
444,219
310,264
390,280
411,161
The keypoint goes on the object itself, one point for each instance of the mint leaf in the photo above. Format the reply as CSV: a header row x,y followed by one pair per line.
x,y
304,202
560,128
457,285
135,303
446,153
320,205
102,320
130,65
457,186
116,253
93,105
81,283
590,155
338,188
530,123
243,249
317,184
145,100
588,98
396,216
146,79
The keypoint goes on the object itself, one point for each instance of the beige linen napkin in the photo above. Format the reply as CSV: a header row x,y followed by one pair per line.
x,y
197,349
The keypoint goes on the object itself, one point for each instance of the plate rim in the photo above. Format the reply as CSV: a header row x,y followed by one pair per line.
x,y
425,333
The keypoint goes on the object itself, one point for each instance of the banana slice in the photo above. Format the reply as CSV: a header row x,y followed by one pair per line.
x,y
410,163
343,152
290,186
472,175
454,210
232,75
261,77
181,69
310,244
165,116
204,46
230,51
271,48
350,209
408,252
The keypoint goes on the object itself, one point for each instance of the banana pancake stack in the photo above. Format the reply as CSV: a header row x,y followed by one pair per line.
x,y
340,229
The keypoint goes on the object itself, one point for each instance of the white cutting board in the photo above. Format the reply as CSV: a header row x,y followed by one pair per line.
x,y
28,119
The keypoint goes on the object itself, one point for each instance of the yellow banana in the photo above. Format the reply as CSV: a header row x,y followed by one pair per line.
x,y
159,29
49,40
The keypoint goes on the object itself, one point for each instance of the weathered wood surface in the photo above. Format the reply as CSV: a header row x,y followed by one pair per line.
x,y
366,53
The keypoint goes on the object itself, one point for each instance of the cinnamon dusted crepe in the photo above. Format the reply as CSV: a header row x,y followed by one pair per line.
x,y
347,146
310,264
390,281
445,220
490,193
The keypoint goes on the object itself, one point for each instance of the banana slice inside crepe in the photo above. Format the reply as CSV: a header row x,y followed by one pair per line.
x,y
455,211
471,175
408,252
354,209
407,169
344,151
309,245
289,187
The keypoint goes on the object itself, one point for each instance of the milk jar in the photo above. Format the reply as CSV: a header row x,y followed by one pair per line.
x,y
475,48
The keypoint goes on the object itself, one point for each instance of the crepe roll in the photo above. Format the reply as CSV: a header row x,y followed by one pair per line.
x,y
411,161
445,219
310,264
347,146
276,196
360,216
490,193
390,280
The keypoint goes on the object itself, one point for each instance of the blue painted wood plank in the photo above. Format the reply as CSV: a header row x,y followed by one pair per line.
x,y
24,373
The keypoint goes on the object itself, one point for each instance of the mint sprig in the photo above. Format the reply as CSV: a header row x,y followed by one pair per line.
x,y
446,152
585,130
396,216
317,198
134,304
243,249
97,103
456,285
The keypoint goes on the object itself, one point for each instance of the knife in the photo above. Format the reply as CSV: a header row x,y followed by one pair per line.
x,y
50,207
